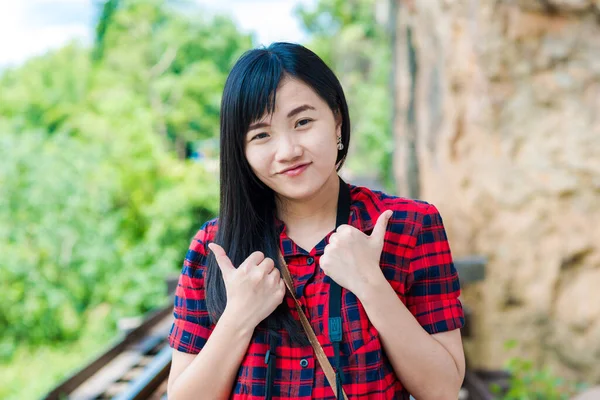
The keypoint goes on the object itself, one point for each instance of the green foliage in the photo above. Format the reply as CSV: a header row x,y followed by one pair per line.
x,y
329,17
176,63
347,36
97,203
53,362
83,224
529,383
46,91
108,10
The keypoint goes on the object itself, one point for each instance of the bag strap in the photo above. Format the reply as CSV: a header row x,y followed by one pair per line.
x,y
312,338
335,293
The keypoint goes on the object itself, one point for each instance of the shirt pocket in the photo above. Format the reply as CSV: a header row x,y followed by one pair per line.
x,y
367,359
357,330
240,390
366,375
250,377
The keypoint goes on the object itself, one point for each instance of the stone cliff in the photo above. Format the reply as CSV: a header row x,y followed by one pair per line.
x,y
505,119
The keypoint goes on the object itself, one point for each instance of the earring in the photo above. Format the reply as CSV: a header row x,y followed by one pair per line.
x,y
340,145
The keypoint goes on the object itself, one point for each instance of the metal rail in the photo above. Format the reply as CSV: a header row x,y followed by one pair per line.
x,y
152,377
135,365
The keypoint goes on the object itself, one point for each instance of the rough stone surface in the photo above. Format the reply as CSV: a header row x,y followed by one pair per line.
x,y
590,394
508,141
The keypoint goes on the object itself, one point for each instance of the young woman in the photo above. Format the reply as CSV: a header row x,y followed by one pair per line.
x,y
380,265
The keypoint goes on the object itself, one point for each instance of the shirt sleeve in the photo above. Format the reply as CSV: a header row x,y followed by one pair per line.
x,y
432,286
192,326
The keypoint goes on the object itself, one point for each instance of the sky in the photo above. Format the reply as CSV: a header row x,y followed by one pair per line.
x,y
32,27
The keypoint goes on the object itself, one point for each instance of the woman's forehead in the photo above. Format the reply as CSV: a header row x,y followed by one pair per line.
x,y
291,84
292,93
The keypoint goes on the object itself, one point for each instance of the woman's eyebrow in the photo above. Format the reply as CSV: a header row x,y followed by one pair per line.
x,y
295,111
298,110
257,125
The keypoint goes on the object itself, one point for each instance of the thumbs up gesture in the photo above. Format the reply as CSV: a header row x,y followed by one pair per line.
x,y
352,258
254,289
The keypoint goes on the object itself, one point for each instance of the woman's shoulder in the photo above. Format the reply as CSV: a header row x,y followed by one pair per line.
x,y
375,201
204,236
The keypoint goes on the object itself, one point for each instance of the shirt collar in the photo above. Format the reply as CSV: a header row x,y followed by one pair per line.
x,y
365,208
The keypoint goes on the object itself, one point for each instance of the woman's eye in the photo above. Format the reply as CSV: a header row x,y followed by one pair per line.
x,y
303,122
259,136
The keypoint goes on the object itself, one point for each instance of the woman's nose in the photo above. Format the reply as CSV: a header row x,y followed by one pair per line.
x,y
287,148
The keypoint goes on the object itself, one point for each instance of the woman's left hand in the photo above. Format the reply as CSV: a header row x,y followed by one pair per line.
x,y
352,258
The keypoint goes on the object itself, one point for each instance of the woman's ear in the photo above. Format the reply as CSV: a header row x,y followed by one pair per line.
x,y
338,123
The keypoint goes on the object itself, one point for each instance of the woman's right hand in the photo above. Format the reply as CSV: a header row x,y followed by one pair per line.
x,y
254,289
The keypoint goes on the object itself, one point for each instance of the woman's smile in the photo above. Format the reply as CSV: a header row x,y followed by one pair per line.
x,y
295,170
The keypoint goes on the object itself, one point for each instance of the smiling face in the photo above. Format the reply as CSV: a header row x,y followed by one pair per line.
x,y
293,151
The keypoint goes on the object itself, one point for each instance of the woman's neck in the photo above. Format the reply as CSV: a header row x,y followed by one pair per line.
x,y
315,213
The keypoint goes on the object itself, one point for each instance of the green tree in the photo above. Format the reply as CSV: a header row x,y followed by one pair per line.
x,y
98,202
176,63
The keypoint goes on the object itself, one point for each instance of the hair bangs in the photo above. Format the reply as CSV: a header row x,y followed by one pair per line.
x,y
258,89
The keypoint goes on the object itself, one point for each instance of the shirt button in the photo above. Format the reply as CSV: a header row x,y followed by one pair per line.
x,y
310,260
304,363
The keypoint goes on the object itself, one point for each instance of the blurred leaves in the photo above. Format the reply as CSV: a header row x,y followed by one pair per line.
x,y
97,198
530,383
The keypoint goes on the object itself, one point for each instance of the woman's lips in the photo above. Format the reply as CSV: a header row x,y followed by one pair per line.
x,y
296,171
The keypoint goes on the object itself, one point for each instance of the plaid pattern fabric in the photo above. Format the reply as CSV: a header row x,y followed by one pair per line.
x,y
417,262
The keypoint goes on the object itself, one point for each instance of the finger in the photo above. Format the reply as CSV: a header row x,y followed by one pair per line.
x,y
267,265
282,289
333,238
381,226
345,229
275,274
273,279
254,259
223,261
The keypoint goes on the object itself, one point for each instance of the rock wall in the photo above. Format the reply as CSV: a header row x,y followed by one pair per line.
x,y
507,101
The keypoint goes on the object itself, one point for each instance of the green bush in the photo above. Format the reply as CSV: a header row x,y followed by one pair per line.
x,y
529,383
97,201
84,224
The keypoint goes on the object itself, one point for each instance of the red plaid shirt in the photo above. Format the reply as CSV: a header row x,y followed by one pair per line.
x,y
417,262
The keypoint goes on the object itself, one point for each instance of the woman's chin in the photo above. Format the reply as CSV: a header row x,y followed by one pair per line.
x,y
302,189
296,191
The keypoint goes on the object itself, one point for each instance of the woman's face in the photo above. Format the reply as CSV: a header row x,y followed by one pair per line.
x,y
293,151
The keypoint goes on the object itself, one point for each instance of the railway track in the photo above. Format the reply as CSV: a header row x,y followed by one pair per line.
x,y
137,365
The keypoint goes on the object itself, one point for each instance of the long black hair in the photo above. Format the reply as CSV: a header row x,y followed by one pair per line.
x,y
247,206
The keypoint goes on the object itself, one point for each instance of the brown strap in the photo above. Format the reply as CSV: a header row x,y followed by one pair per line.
x,y
319,353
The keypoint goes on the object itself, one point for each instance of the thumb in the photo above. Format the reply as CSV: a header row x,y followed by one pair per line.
x,y
223,261
381,226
